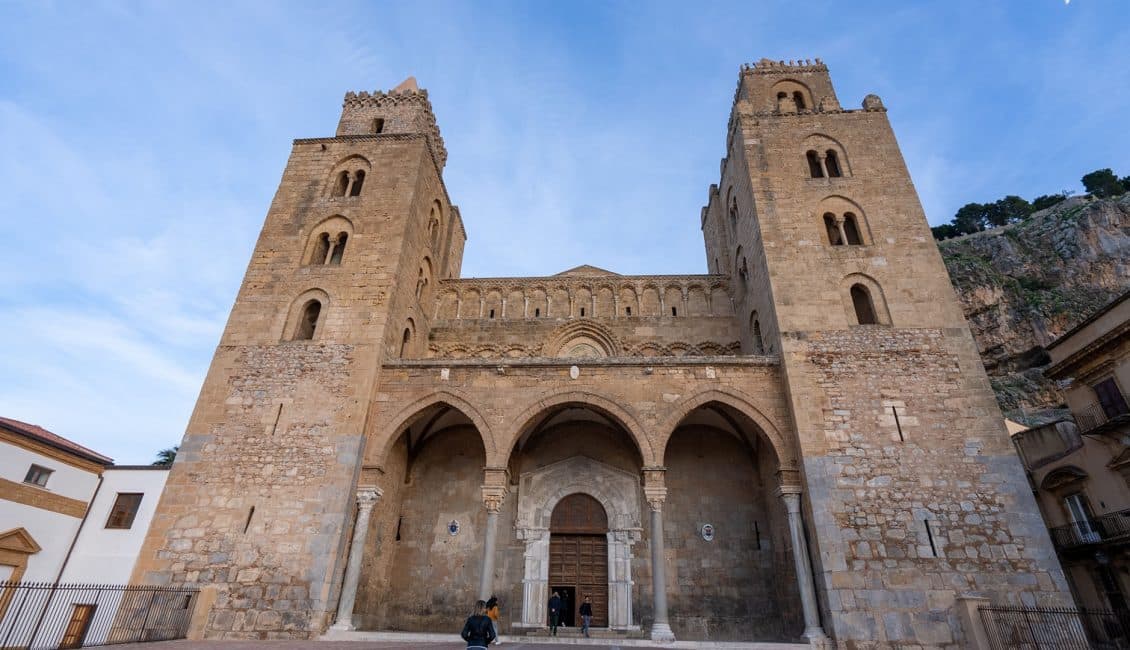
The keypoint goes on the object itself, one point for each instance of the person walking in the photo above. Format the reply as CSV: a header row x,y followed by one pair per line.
x,y
586,616
492,614
554,613
478,631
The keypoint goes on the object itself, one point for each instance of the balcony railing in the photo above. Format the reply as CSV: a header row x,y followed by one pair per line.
x,y
1107,528
1096,415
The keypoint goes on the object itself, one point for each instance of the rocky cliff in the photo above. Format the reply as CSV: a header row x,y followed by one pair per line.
x,y
1023,285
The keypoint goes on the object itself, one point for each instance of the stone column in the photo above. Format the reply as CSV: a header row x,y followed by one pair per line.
x,y
656,493
840,228
790,494
492,501
823,165
367,497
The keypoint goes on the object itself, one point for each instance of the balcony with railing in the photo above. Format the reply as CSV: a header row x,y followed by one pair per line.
x,y
1114,527
1101,416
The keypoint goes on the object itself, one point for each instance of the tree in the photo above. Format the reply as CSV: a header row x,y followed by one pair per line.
x,y
1046,201
1102,183
1125,180
167,456
945,231
1010,209
970,218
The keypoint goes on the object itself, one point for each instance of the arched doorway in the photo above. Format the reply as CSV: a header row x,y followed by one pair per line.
x,y
578,557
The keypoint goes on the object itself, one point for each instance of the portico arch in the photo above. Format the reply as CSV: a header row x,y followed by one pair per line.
x,y
535,413
783,450
383,434
617,491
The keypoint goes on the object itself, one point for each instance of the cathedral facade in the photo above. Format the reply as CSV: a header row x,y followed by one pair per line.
x,y
800,444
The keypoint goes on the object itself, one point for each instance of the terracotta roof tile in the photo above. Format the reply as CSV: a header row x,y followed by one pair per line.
x,y
57,441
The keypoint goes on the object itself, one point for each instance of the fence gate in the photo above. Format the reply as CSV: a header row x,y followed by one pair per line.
x,y
50,616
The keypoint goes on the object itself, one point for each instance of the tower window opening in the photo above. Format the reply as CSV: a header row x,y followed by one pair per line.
x,y
851,230
781,97
758,341
537,312
832,162
308,321
814,164
492,313
734,215
798,97
321,249
378,125
627,311
358,182
342,184
864,307
339,248
674,311
405,340
832,229
582,312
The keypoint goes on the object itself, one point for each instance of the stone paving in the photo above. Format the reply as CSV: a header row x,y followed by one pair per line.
x,y
358,645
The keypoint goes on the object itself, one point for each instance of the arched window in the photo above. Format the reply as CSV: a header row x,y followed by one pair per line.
x,y
798,97
864,307
734,215
814,164
378,125
342,184
405,341
358,181
308,322
851,230
321,249
833,229
832,162
339,248
755,329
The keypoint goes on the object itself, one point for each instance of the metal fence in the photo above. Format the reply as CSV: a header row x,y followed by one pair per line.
x,y
1033,628
1109,527
45,615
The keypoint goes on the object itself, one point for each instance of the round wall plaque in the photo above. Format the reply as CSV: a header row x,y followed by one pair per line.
x,y
708,532
453,528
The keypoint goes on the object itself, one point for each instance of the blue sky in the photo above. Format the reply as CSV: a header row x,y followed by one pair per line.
x,y
143,143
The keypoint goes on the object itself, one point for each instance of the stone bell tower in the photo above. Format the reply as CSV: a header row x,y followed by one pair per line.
x,y
358,234
914,494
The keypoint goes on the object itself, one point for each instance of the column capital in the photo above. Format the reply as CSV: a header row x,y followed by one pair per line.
x,y
655,496
790,494
368,495
493,496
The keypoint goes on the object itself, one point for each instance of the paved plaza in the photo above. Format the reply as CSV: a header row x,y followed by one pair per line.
x,y
540,644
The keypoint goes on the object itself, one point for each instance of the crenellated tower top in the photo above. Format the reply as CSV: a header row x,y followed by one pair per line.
x,y
402,110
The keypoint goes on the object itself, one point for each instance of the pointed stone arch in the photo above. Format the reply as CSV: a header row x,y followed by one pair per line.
x,y
783,449
385,434
532,413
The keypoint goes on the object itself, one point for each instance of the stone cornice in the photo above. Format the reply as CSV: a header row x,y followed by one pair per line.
x,y
632,281
758,360
1076,361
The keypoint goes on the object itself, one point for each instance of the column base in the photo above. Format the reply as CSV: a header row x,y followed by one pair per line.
x,y
662,633
344,626
815,636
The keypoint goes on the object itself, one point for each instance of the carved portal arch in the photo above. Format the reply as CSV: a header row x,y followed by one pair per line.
x,y
539,492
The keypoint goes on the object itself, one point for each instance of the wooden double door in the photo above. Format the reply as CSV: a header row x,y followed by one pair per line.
x,y
578,567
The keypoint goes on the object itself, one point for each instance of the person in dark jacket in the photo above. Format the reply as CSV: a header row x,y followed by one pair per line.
x,y
586,615
554,613
478,631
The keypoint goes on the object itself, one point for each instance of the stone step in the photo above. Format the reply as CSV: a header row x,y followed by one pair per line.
x,y
575,632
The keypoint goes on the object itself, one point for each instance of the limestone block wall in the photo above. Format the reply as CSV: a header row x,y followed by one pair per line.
x,y
916,493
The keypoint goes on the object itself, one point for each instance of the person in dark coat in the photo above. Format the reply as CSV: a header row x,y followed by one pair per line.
x,y
554,613
478,631
586,615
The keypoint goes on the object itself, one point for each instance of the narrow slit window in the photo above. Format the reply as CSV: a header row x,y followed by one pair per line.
x,y
758,341
405,340
674,311
627,311
537,312
250,514
582,312
492,313
930,536
898,424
